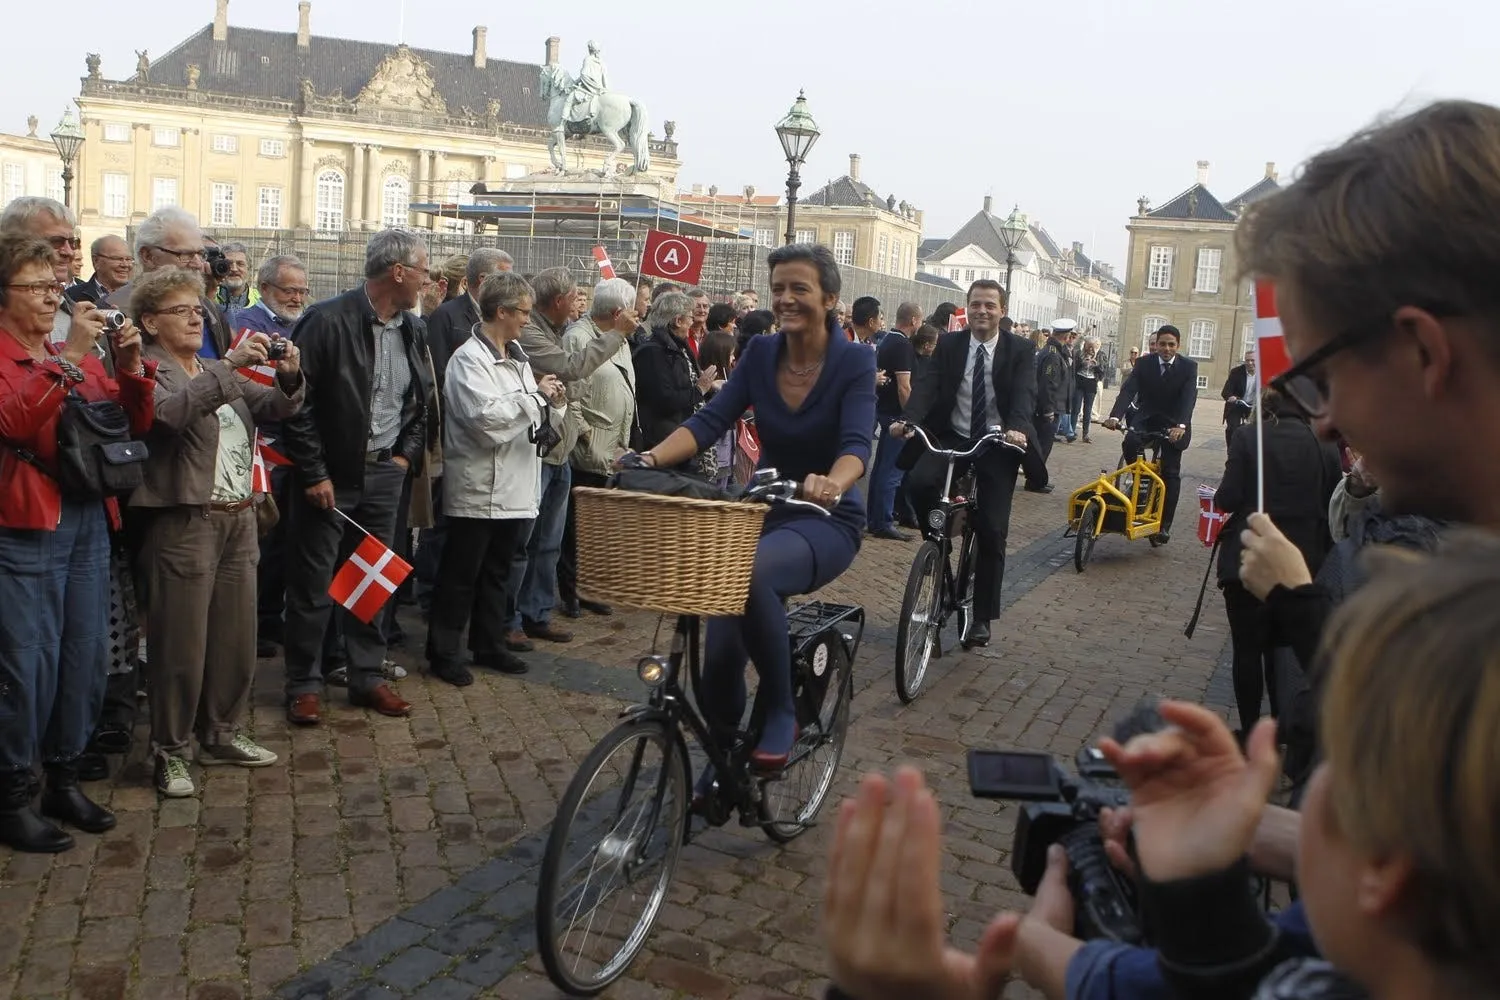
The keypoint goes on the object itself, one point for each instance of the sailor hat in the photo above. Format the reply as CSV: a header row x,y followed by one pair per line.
x,y
1064,325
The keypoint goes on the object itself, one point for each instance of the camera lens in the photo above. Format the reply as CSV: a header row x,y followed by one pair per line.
x,y
114,319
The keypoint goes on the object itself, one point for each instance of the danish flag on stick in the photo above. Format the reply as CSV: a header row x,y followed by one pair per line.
x,y
1271,358
959,320
369,577
264,374
265,457
606,268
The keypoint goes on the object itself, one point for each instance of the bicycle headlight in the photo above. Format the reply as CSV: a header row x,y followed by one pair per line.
x,y
652,670
937,517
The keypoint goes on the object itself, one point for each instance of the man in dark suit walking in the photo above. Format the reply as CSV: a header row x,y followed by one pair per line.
x,y
1165,389
978,378
1238,393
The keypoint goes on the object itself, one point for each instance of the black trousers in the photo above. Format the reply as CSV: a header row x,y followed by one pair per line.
x,y
995,473
1171,471
318,543
1038,450
567,563
390,628
430,550
470,589
1230,426
270,573
1254,670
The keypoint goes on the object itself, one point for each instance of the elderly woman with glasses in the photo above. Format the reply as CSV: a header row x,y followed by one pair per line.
x,y
669,385
200,545
54,550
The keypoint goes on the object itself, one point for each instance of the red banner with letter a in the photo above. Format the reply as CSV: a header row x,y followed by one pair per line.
x,y
675,258
368,579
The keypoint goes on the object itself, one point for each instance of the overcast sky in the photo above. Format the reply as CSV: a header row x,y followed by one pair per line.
x,y
1072,109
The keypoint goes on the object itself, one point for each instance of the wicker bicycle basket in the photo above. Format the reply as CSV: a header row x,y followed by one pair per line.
x,y
674,555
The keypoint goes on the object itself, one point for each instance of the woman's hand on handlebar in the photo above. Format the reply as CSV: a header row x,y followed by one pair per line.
x,y
821,490
635,460
1014,438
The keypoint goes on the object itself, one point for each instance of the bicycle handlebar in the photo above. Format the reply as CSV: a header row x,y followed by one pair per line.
x,y
1147,437
779,491
995,435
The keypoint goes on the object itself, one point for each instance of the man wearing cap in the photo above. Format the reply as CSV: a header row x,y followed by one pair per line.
x,y
1165,389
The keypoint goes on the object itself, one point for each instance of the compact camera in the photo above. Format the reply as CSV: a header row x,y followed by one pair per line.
x,y
276,349
114,320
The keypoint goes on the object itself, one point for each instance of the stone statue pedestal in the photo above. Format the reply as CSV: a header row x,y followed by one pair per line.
x,y
548,204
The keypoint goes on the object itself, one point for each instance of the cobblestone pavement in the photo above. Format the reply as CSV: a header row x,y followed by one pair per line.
x,y
397,858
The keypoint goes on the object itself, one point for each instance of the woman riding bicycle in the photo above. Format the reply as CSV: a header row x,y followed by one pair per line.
x,y
814,398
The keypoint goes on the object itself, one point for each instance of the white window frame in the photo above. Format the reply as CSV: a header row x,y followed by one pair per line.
x,y
1160,261
115,204
395,189
1150,325
268,207
883,254
952,274
806,236
275,148
116,132
55,186
765,237
1210,265
164,192
843,247
222,198
328,201
1202,382
166,137
1202,335
12,182
224,143
969,274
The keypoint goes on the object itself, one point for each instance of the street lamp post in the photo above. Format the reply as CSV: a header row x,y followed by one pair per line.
x,y
797,132
68,138
1012,232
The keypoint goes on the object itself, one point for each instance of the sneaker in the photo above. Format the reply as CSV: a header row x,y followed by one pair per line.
x,y
391,670
240,751
172,777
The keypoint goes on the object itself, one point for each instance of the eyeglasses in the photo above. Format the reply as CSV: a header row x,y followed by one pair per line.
x,y
41,289
113,259
183,256
1306,385
181,311
291,289
63,242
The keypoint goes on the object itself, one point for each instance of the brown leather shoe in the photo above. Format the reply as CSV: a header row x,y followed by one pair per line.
x,y
304,710
383,700
548,633
516,642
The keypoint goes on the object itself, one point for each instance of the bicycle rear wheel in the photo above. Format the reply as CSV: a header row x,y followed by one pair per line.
x,y
793,799
619,827
917,628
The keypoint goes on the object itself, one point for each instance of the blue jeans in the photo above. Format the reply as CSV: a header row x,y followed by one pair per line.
x,y
533,572
1083,410
885,479
54,636
785,564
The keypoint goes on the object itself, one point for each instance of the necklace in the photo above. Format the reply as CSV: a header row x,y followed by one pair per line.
x,y
803,372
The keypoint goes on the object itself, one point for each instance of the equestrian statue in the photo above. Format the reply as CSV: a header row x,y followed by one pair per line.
x,y
586,106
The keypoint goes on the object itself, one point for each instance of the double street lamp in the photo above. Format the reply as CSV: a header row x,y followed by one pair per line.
x,y
68,138
797,132
1012,232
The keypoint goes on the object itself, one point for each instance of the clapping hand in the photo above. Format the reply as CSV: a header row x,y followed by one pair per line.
x,y
1195,799
883,917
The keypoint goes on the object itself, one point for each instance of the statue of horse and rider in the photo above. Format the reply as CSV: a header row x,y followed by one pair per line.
x,y
587,107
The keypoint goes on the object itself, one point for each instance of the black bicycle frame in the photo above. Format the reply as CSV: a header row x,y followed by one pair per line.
x,y
943,536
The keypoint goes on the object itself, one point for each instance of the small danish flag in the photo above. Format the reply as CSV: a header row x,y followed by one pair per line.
x,y
606,268
368,578
264,374
260,468
1271,358
959,320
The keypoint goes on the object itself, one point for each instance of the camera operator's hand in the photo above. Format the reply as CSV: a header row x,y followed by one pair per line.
x,y
85,327
127,347
1196,800
291,360
1054,904
883,917
1269,558
250,351
1114,828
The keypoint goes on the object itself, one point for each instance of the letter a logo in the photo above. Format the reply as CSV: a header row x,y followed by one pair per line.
x,y
669,259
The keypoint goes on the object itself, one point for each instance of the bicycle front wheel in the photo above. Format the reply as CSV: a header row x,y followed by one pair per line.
x,y
611,856
921,616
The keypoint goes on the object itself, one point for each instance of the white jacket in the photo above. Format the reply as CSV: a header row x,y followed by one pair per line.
x,y
490,465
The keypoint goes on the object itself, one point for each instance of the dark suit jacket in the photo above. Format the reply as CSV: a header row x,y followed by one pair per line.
x,y
447,328
86,291
1163,401
1236,385
1013,374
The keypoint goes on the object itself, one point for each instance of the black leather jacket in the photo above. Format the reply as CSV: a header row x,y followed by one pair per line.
x,y
328,438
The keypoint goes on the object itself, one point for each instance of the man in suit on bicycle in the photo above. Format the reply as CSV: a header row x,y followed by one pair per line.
x,y
978,378
1164,387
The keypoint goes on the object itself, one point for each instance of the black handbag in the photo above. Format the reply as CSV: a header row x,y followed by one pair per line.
x,y
96,456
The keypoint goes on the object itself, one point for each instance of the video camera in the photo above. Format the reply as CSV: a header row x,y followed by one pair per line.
x,y
1063,808
218,264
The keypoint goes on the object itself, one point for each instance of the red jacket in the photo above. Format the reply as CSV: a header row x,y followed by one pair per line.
x,y
31,398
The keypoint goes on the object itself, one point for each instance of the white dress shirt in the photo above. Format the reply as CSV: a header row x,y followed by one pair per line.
x,y
963,403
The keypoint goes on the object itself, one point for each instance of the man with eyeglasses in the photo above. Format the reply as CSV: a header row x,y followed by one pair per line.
x,y
235,289
52,221
112,266
170,237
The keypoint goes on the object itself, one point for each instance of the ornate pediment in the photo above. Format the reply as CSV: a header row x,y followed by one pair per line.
x,y
403,80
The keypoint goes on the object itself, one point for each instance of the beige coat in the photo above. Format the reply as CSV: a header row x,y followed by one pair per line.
x,y
601,406
184,439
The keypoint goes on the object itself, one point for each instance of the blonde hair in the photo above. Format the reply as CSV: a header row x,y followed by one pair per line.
x,y
150,290
1411,727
